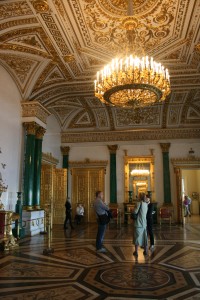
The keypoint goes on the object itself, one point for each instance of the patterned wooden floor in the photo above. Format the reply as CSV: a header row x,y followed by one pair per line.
x,y
76,272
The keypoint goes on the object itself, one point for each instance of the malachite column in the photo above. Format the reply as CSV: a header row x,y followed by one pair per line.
x,y
29,165
65,153
37,166
65,164
113,173
166,172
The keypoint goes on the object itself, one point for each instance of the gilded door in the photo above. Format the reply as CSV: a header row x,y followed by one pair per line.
x,y
59,195
85,183
53,191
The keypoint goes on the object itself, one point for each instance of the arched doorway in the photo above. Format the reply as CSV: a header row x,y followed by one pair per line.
x,y
187,171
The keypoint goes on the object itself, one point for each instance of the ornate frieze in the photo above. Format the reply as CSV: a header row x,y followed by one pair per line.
x,y
147,116
88,163
49,159
34,109
140,135
14,9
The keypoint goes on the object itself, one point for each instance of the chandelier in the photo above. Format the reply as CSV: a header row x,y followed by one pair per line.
x,y
140,171
132,81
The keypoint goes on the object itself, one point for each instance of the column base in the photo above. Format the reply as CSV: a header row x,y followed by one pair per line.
x,y
33,222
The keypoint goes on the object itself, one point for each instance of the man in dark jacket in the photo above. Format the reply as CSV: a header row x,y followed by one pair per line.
x,y
68,216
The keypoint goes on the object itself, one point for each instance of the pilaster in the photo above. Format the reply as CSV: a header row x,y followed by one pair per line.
x,y
166,173
113,175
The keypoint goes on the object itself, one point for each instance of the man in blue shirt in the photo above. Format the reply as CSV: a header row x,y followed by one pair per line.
x,y
101,209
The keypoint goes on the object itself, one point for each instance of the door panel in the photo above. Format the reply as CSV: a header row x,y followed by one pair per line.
x,y
59,195
85,182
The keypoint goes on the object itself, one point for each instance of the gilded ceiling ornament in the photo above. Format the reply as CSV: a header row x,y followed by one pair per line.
x,y
102,118
69,58
30,40
41,6
13,9
147,116
197,48
21,66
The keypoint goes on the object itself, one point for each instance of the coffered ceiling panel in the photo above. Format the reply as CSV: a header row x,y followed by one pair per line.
x,y
53,49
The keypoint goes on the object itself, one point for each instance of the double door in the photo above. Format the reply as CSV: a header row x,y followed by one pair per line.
x,y
85,183
53,192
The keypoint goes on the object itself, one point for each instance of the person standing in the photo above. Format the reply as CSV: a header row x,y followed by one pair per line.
x,y
140,226
187,203
68,216
101,209
79,213
150,213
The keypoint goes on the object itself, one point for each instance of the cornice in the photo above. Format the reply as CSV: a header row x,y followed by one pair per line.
x,y
148,134
88,163
49,159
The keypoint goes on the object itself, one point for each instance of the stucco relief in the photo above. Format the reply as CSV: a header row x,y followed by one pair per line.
x,y
147,116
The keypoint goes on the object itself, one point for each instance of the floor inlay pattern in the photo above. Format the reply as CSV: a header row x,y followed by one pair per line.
x,y
75,271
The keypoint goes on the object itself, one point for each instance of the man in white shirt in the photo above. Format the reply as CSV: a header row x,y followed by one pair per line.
x,y
79,213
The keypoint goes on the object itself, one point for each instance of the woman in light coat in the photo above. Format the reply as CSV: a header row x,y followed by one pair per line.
x,y
140,225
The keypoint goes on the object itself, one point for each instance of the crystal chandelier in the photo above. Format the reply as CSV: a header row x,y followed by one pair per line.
x,y
140,171
132,81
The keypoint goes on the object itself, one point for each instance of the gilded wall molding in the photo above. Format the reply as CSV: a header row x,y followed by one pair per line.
x,y
34,109
149,134
185,162
88,163
47,158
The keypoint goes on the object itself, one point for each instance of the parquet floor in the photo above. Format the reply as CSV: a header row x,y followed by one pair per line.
x,y
74,271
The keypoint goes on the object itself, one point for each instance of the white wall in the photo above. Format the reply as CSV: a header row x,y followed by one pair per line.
x,y
11,136
99,151
52,140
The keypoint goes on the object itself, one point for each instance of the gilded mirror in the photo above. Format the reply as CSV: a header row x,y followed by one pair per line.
x,y
139,177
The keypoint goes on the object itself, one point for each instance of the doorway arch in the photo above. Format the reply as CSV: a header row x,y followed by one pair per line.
x,y
180,164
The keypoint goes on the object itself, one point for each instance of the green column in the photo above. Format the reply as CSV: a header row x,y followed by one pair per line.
x,y
37,167
29,165
65,164
166,173
113,173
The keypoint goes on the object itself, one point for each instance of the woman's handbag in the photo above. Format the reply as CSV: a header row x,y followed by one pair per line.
x,y
135,215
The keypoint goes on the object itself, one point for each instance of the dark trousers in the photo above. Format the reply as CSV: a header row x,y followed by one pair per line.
x,y
100,236
78,218
150,232
68,218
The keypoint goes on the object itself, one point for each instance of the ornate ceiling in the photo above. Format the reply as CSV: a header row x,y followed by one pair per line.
x,y
54,48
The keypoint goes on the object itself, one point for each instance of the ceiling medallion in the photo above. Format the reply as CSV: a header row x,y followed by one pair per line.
x,y
41,6
132,81
69,58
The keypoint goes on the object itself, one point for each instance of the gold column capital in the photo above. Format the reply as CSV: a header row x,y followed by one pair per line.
x,y
30,127
65,150
112,148
165,147
40,132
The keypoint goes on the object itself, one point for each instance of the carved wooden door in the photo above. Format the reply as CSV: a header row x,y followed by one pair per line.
x,y
53,192
59,195
85,182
